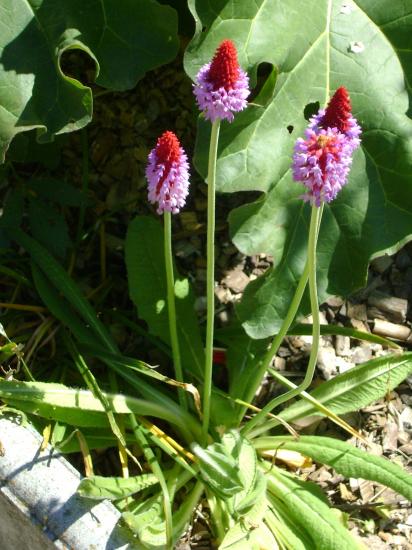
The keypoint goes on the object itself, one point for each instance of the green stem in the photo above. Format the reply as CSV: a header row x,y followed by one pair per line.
x,y
270,354
184,514
211,181
273,422
85,184
310,267
139,433
171,306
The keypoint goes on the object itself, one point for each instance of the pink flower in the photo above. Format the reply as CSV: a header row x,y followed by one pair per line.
x,y
222,87
322,160
167,174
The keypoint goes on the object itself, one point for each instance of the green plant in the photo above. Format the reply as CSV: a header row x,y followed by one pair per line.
x,y
207,449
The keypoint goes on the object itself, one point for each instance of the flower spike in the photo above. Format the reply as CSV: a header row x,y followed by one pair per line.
x,y
338,111
167,174
222,87
322,160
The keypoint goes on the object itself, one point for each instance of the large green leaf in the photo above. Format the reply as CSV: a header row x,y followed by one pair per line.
x,y
146,272
314,50
345,459
124,39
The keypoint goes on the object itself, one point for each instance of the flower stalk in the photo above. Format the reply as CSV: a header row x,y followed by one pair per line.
x,y
210,291
321,161
171,306
276,342
308,274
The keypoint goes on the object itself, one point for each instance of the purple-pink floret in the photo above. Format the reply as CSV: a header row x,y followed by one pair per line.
x,y
220,102
322,159
168,178
222,87
352,131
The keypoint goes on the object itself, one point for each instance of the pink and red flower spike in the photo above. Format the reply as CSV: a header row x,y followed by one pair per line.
x,y
322,160
222,87
167,174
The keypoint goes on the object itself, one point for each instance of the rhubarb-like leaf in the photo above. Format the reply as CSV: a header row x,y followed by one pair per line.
x,y
124,39
364,46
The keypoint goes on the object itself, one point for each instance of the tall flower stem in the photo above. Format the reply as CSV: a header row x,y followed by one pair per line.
x,y
271,352
211,184
171,306
308,273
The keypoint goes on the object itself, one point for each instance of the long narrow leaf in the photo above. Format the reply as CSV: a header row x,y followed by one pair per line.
x,y
61,400
345,459
152,393
61,280
306,507
355,388
139,433
113,488
93,386
140,366
331,330
61,309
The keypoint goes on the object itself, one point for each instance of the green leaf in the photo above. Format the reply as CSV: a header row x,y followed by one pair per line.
x,y
25,149
61,308
356,388
82,408
49,227
122,363
249,507
250,532
63,311
61,280
230,469
13,209
96,438
219,469
124,40
308,508
243,503
145,388
146,520
94,387
307,328
244,353
146,272
57,191
345,459
312,50
113,488
287,532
